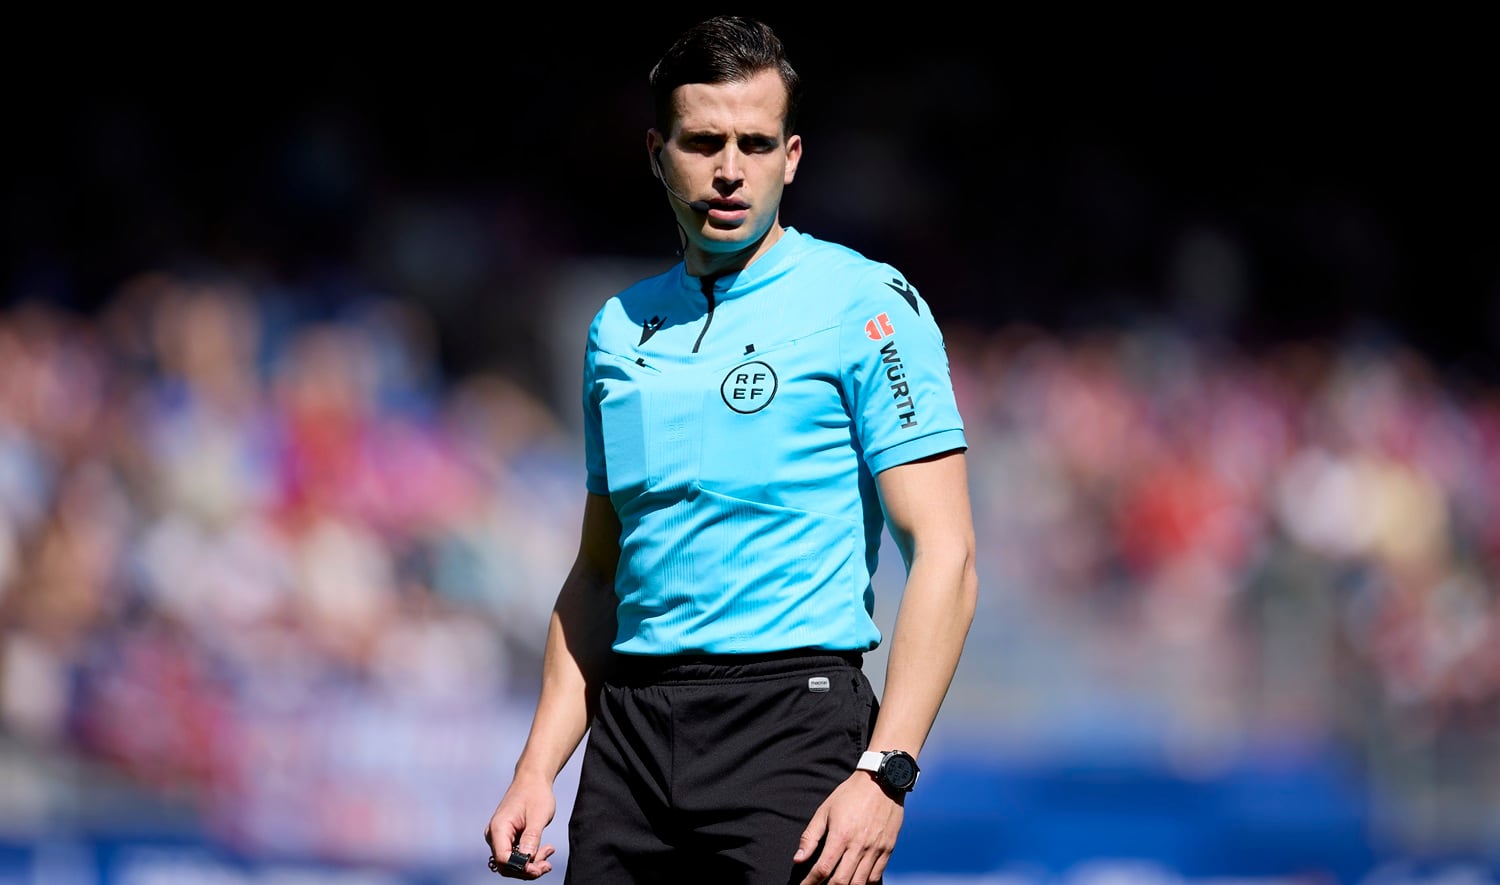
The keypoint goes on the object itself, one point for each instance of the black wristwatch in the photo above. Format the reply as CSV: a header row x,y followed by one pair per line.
x,y
895,770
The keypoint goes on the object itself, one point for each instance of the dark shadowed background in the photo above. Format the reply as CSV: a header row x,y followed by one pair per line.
x,y
1048,167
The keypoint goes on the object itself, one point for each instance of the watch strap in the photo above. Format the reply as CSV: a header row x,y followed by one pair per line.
x,y
870,760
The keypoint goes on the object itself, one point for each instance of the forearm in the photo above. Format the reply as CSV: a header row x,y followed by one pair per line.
x,y
937,608
579,636
563,709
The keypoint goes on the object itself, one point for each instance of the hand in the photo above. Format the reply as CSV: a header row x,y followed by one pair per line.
x,y
526,809
857,826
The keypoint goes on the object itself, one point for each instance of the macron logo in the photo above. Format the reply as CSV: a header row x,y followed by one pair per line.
x,y
649,327
904,290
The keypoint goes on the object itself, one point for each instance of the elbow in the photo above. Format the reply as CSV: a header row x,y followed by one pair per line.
x,y
968,586
961,582
946,572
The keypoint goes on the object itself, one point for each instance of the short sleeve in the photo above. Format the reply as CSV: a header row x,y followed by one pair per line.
x,y
895,373
596,479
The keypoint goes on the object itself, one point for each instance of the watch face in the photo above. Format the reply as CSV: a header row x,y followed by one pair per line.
x,y
899,771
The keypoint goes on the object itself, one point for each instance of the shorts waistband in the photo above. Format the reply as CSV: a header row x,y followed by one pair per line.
x,y
654,669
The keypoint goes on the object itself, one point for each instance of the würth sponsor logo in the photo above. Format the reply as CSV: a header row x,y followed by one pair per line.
x,y
748,387
879,328
895,373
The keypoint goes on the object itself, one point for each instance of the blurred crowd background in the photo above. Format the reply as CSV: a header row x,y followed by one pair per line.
x,y
290,470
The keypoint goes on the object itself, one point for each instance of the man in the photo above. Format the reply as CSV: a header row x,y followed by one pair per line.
x,y
754,418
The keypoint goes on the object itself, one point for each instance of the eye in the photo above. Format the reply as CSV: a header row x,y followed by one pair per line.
x,y
705,144
758,145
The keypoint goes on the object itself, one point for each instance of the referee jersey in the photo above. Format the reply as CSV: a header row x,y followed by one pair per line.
x,y
736,423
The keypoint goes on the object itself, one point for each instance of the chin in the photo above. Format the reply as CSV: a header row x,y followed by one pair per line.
x,y
730,239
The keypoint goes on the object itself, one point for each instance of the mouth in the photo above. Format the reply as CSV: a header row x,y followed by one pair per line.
x,y
728,212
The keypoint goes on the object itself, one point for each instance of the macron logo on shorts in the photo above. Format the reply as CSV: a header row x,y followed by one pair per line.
x,y
817,683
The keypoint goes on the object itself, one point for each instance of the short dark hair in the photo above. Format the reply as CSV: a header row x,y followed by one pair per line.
x,y
723,49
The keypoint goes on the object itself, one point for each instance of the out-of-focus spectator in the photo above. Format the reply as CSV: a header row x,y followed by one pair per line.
x,y
251,560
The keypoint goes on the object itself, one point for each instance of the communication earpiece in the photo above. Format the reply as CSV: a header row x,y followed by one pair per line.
x,y
695,205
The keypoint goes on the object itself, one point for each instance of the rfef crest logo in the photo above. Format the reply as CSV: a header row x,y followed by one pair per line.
x,y
879,328
749,387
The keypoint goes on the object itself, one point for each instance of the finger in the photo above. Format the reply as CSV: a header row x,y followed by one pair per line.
x,y
827,864
807,843
498,836
533,870
864,870
528,870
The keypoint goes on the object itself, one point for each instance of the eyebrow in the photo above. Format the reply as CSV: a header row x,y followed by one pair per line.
x,y
712,135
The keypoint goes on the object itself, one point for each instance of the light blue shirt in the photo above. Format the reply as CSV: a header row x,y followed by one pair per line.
x,y
737,435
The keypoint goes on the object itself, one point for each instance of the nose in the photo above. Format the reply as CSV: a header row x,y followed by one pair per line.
x,y
731,168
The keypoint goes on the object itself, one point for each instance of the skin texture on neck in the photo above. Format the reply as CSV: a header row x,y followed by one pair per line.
x,y
727,148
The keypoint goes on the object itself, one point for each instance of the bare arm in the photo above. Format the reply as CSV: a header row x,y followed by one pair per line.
x,y
927,508
578,639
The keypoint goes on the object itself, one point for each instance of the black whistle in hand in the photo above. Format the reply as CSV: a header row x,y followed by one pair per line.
x,y
516,863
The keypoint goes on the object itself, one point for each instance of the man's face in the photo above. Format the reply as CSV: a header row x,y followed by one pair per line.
x,y
727,149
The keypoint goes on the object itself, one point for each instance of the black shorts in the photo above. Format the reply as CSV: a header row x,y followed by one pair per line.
x,y
708,769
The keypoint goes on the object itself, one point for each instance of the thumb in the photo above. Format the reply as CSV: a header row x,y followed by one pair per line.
x,y
808,843
529,841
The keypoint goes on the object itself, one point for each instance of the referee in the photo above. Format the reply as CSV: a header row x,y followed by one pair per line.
x,y
754,418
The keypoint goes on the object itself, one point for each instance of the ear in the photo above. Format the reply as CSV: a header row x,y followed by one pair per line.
x,y
793,157
654,144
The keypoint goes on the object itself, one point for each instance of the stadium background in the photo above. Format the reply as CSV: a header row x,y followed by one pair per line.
x,y
289,468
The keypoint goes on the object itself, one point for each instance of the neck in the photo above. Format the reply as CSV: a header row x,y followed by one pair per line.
x,y
701,263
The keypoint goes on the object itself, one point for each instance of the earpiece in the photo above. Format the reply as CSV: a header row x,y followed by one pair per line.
x,y
695,205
